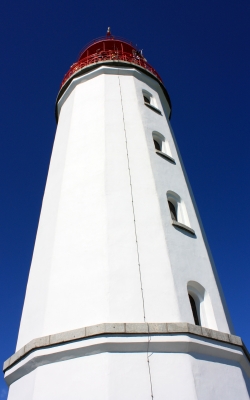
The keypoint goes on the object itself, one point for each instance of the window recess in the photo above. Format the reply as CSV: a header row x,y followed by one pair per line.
x,y
178,212
157,145
194,310
201,305
162,147
150,102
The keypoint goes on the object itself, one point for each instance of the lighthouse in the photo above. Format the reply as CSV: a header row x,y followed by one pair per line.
x,y
123,301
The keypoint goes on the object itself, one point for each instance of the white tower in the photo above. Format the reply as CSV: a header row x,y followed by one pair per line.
x,y
123,299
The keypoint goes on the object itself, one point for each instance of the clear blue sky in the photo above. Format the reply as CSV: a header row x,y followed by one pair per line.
x,y
201,50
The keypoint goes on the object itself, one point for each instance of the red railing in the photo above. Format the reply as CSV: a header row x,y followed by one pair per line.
x,y
110,55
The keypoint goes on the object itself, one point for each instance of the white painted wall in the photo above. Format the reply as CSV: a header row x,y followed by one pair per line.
x,y
125,376
85,264
87,268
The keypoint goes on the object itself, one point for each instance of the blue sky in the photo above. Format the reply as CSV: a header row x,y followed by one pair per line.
x,y
201,51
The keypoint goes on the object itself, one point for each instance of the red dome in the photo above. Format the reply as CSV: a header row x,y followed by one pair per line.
x,y
108,49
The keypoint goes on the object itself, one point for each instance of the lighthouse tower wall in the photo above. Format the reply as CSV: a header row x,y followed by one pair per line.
x,y
120,374
105,243
109,256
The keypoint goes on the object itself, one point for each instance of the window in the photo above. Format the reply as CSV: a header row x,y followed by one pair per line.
x,y
162,146
178,212
201,305
146,99
177,208
150,101
194,310
157,145
172,211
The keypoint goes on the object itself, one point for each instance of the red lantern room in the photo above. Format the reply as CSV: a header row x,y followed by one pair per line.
x,y
110,50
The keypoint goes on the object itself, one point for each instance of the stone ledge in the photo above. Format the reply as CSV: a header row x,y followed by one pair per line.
x,y
123,329
166,156
153,108
183,226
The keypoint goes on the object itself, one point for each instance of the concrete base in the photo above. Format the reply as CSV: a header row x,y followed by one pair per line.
x,y
133,366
